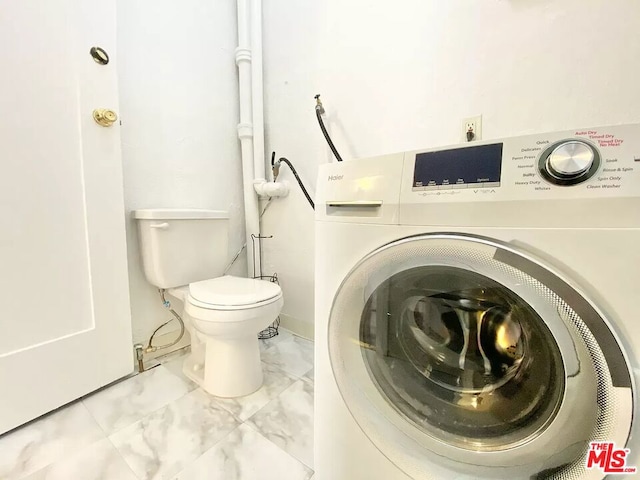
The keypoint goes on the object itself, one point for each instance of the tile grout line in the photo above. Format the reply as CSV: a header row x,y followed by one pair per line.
x,y
237,420
285,371
234,415
107,435
206,451
123,459
308,380
274,399
255,428
82,449
258,432
93,417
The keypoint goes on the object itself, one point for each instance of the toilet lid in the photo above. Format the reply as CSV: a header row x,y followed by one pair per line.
x,y
233,291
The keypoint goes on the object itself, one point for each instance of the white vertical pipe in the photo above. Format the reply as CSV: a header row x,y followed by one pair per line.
x,y
260,168
245,133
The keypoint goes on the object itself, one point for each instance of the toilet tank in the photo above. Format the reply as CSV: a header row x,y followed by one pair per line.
x,y
179,247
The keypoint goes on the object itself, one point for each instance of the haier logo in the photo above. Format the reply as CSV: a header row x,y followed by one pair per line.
x,y
609,459
335,177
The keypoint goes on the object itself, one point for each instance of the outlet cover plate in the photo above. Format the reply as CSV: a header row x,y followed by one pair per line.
x,y
475,123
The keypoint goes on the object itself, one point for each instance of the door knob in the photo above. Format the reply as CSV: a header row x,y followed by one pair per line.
x,y
104,117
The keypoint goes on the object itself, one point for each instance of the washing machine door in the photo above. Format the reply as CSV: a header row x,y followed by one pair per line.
x,y
466,353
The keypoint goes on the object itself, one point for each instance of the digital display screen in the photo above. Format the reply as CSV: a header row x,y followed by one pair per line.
x,y
459,168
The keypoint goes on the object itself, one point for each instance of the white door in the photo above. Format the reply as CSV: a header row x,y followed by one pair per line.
x,y
65,325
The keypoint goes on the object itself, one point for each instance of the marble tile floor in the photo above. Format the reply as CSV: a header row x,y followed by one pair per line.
x,y
160,425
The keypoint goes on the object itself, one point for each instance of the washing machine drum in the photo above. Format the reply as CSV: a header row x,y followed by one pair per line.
x,y
463,352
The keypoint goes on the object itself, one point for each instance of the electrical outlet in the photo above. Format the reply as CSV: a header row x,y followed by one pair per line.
x,y
473,125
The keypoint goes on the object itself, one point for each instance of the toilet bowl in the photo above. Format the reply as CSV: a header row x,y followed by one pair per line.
x,y
185,252
224,316
227,313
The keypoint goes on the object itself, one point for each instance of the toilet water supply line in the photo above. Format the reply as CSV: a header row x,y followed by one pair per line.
x,y
167,304
150,348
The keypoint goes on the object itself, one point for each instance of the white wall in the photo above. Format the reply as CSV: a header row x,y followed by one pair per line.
x,y
292,31
402,75
178,105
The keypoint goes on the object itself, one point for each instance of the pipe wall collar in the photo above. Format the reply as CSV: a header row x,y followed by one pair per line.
x,y
245,130
270,189
243,55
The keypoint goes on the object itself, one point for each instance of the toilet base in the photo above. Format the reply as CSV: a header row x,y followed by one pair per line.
x,y
228,367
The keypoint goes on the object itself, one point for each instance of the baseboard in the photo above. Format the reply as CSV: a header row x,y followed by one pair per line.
x,y
297,326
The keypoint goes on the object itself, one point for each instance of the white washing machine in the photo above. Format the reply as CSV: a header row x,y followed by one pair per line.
x,y
478,311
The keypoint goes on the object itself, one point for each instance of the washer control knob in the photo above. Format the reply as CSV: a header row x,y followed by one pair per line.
x,y
570,160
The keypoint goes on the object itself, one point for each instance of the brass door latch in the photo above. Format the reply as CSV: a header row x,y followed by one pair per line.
x,y
104,117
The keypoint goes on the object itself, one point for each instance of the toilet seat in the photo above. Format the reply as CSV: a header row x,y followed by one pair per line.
x,y
233,293
221,308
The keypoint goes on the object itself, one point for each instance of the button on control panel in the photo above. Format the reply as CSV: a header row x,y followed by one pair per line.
x,y
569,162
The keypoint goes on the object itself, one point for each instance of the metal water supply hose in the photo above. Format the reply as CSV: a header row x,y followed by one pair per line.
x,y
319,112
167,304
275,166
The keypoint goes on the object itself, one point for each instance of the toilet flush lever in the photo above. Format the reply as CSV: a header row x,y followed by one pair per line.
x,y
160,226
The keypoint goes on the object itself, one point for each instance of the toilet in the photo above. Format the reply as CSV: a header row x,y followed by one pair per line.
x,y
185,252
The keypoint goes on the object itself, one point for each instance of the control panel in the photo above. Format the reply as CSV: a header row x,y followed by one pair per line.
x,y
584,163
